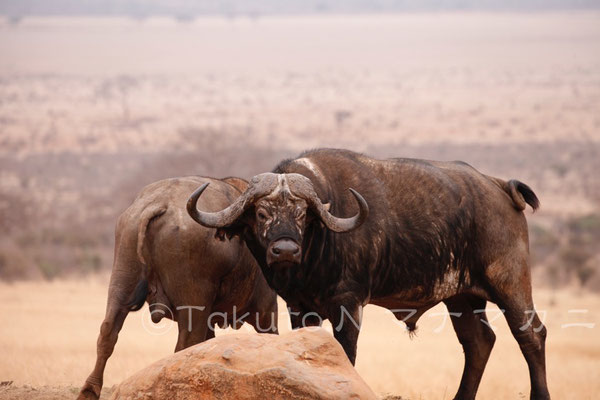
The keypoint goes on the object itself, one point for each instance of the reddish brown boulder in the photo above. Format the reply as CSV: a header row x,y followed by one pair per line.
x,y
304,364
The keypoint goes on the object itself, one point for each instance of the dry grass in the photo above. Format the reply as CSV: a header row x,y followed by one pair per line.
x,y
48,332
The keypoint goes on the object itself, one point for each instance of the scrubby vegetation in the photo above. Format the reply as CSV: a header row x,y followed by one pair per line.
x,y
568,250
79,139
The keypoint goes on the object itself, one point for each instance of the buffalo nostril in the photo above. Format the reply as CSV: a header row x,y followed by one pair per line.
x,y
284,248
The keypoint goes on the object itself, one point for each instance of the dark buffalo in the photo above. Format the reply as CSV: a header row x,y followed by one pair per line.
x,y
181,270
435,232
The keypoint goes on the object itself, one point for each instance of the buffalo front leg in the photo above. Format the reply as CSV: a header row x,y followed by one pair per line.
x,y
300,318
194,324
476,337
264,322
263,316
346,320
109,332
210,332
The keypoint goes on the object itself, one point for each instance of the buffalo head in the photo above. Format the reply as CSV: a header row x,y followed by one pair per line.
x,y
277,208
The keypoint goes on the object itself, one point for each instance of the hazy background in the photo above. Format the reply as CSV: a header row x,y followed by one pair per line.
x,y
94,108
99,98
192,8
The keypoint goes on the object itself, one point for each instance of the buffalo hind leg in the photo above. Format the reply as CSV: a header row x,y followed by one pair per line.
x,y
530,333
109,332
512,293
476,337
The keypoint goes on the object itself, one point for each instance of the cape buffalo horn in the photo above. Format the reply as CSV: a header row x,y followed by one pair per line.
x,y
343,224
215,219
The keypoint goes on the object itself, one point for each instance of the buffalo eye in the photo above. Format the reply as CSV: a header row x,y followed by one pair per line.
x,y
299,213
262,215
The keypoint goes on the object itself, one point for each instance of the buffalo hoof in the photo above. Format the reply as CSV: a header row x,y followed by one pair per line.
x,y
89,392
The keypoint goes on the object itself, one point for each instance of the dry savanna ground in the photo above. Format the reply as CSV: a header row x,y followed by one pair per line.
x,y
92,109
48,333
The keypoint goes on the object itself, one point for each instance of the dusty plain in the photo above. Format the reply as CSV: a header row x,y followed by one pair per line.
x,y
92,109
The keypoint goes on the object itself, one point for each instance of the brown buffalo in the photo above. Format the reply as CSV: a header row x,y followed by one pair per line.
x,y
185,274
412,234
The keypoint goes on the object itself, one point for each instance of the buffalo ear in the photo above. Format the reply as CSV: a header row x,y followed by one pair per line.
x,y
229,232
220,234
238,228
311,217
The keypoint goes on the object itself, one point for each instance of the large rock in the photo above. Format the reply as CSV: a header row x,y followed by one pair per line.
x,y
304,364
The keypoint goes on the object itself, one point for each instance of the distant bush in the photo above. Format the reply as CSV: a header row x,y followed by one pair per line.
x,y
14,263
543,243
571,256
585,229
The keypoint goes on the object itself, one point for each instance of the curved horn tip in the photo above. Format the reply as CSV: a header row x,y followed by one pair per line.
x,y
360,199
341,225
199,191
191,204
201,188
218,219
